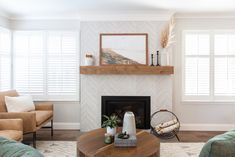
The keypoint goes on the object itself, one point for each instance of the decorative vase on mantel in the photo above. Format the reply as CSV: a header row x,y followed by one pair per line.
x,y
111,131
89,60
164,57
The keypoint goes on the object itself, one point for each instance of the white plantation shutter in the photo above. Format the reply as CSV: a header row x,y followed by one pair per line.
x,y
196,76
62,64
209,65
224,64
29,63
46,64
5,59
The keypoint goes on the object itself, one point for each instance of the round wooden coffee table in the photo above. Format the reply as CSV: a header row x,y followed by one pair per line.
x,y
91,144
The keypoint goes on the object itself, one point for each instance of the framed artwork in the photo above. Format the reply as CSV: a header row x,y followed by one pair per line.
x,y
124,49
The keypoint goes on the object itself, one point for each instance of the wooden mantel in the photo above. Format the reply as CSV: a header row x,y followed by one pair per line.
x,y
127,69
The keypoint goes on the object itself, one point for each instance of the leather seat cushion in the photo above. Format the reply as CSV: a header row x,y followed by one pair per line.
x,y
42,116
12,134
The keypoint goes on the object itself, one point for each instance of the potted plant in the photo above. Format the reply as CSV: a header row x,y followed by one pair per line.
x,y
111,124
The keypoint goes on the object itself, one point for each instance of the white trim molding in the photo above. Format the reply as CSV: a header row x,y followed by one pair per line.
x,y
132,16
103,16
204,15
206,127
66,126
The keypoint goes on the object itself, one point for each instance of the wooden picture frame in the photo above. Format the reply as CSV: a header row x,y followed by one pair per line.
x,y
124,49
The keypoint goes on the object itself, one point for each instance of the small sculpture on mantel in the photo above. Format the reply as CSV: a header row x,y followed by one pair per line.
x,y
152,60
157,59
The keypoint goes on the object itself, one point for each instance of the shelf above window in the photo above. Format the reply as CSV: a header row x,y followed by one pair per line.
x,y
127,69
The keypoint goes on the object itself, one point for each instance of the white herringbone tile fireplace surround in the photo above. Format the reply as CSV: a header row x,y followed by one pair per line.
x,y
159,87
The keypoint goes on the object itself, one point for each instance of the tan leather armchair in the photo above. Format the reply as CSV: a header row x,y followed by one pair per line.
x,y
11,129
33,120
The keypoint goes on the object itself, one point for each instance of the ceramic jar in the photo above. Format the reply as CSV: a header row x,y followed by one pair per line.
x,y
111,131
129,123
164,57
89,60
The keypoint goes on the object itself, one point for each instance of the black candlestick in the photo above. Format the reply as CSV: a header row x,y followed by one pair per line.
x,y
152,60
158,59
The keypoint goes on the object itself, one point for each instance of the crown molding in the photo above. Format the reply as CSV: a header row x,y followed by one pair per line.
x,y
215,15
4,14
156,16
122,16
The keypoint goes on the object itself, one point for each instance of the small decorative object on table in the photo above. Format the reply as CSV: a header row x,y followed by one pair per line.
x,y
108,138
165,124
111,123
89,60
128,136
129,123
123,135
125,140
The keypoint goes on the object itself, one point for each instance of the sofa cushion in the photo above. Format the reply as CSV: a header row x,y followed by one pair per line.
x,y
12,134
10,148
220,146
19,104
42,116
12,93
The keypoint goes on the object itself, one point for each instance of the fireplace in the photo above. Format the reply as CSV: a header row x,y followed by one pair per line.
x,y
139,105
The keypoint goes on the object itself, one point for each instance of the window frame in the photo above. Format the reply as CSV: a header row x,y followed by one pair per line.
x,y
45,95
211,97
9,32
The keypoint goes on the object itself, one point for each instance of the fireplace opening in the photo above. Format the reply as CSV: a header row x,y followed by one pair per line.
x,y
139,105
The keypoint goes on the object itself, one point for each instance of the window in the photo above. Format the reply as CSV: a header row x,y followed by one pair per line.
x,y
29,63
224,58
5,59
46,64
209,65
62,65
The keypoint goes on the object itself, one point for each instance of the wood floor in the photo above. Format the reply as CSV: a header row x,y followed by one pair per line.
x,y
72,135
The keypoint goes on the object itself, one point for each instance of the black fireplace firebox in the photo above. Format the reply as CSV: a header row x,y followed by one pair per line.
x,y
139,105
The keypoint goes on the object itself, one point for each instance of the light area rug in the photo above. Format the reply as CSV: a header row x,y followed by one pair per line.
x,y
69,149
180,149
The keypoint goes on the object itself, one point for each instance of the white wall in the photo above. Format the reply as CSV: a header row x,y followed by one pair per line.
x,y
4,22
200,115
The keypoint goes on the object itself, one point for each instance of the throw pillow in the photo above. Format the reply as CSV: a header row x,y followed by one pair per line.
x,y
19,104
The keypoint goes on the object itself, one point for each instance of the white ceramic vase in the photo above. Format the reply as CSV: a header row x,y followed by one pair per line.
x,y
89,61
164,57
129,123
111,131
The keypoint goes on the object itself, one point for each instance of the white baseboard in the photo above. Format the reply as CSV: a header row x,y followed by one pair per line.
x,y
206,127
183,127
66,126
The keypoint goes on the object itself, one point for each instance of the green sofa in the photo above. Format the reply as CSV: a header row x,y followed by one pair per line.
x,y
10,148
220,146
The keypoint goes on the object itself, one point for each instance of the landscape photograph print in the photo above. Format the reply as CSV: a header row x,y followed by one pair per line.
x,y
124,49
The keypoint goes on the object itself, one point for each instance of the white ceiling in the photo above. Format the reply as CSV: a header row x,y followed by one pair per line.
x,y
15,9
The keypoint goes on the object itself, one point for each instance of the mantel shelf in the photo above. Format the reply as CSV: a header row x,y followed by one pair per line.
x,y
127,69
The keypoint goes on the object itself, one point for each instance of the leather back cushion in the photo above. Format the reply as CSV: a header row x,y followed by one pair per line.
x,y
12,93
